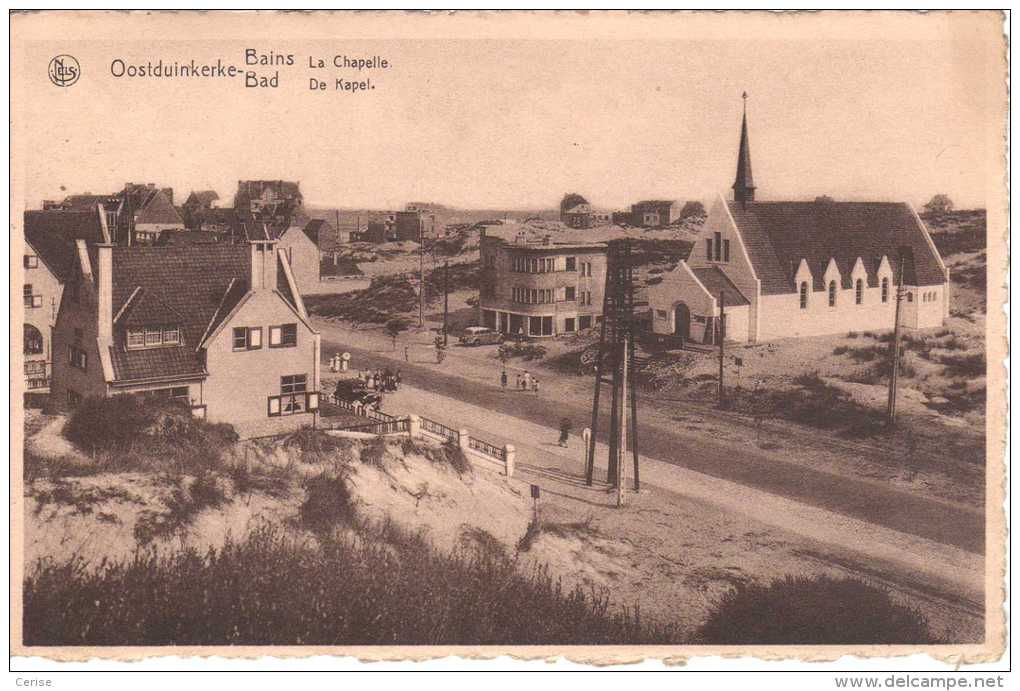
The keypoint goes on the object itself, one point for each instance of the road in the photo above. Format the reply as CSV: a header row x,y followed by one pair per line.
x,y
862,499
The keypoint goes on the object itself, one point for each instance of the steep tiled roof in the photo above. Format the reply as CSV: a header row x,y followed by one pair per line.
x,y
52,235
159,209
715,281
778,235
182,285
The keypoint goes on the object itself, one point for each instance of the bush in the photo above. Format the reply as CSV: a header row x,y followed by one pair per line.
x,y
969,365
527,351
130,433
106,423
273,589
328,503
812,611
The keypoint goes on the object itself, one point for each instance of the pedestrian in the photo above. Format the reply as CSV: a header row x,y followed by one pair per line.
x,y
503,380
517,381
520,334
526,380
534,385
398,378
565,426
407,354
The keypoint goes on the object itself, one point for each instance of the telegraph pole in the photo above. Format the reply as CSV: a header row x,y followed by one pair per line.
x,y
421,275
894,348
446,297
722,341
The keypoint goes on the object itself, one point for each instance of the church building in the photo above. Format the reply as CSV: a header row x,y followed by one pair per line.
x,y
784,269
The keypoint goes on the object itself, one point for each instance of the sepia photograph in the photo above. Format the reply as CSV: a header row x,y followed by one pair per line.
x,y
598,336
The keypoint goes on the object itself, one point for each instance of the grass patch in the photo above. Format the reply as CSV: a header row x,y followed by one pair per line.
x,y
815,611
276,589
969,365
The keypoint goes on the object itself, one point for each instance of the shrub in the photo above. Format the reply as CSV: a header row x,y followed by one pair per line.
x,y
452,455
105,423
527,351
188,497
373,453
812,611
969,365
328,503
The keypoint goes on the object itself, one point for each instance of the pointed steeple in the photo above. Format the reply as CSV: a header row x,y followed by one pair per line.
x,y
743,185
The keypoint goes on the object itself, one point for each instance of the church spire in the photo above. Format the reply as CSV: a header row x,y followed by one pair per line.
x,y
743,186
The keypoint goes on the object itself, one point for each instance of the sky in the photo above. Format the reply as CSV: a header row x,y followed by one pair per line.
x,y
501,123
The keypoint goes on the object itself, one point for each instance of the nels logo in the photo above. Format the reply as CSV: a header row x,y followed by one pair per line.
x,y
64,70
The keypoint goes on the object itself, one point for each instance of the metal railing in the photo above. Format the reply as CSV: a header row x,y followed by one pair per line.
x,y
487,449
395,426
439,429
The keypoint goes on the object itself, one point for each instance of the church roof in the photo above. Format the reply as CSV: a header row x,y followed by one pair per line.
x,y
715,281
778,235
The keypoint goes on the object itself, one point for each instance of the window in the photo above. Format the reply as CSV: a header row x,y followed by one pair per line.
x,y
153,336
33,340
584,323
910,296
171,336
832,293
283,336
247,337
293,383
708,249
803,295
726,250
135,338
294,397
31,261
77,357
718,246
31,300
859,292
885,290
571,264
571,294
73,398
568,325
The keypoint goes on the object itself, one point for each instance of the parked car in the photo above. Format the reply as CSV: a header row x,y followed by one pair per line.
x,y
480,335
354,391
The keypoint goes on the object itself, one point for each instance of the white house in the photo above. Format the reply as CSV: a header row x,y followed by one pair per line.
x,y
789,269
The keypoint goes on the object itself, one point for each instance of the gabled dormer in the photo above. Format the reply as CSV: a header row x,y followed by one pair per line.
x,y
832,280
804,282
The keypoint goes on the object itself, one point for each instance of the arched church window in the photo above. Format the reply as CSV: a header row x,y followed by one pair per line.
x,y
803,295
885,290
859,291
832,293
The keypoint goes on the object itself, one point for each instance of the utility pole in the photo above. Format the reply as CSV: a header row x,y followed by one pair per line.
x,y
421,275
446,298
894,348
722,341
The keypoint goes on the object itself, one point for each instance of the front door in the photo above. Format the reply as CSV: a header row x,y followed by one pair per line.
x,y
682,322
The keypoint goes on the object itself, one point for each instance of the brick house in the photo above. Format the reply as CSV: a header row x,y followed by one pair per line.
x,y
221,328
540,289
803,268
48,257
146,213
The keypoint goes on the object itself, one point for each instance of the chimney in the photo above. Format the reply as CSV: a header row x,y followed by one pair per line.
x,y
104,282
263,263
